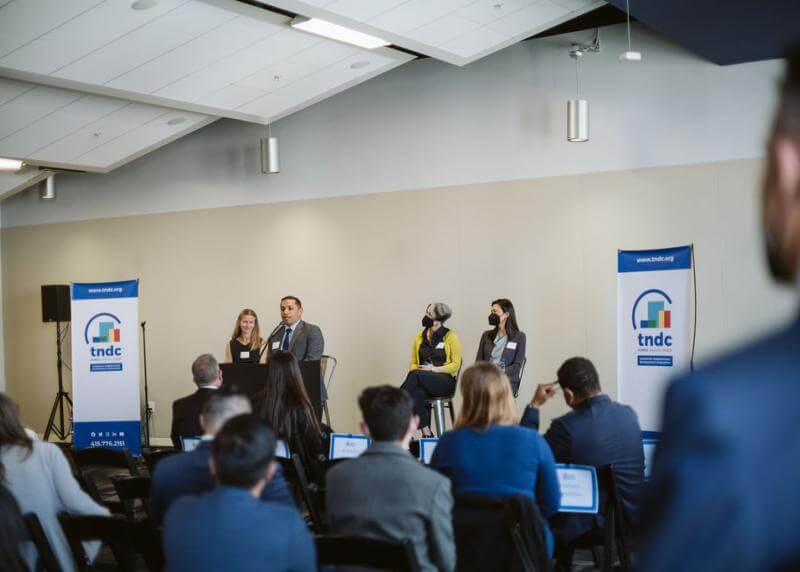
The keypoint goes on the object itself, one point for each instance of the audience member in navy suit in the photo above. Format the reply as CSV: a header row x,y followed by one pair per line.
x,y
229,528
189,474
488,453
724,492
597,432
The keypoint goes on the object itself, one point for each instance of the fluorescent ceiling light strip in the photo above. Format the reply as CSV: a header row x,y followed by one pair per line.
x,y
10,164
336,32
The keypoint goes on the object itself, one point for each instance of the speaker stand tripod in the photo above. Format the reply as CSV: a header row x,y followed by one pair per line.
x,y
58,405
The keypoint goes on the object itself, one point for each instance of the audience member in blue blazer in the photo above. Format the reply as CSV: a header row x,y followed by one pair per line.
x,y
488,453
724,492
230,528
189,474
597,432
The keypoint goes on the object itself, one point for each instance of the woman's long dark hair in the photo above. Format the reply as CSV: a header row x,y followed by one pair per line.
x,y
12,533
11,430
512,329
284,403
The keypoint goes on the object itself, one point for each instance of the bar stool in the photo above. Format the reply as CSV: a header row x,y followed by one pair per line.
x,y
439,404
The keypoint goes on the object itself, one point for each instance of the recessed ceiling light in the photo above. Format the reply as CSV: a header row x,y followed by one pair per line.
x,y
144,4
11,164
359,64
176,121
336,32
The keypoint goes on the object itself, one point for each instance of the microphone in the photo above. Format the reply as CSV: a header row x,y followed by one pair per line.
x,y
275,331
143,323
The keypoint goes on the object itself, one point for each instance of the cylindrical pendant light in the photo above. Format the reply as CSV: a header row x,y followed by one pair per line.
x,y
577,120
270,156
47,188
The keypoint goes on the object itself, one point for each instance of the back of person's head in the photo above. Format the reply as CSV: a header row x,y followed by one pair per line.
x,y
205,369
11,430
579,376
441,311
221,407
242,451
487,397
283,402
12,533
387,412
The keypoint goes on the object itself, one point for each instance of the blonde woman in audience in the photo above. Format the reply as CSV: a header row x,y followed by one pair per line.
x,y
246,344
39,477
488,453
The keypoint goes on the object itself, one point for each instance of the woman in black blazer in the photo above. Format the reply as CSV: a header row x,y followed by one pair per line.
x,y
504,345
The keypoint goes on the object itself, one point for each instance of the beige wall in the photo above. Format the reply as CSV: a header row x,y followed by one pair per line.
x,y
365,266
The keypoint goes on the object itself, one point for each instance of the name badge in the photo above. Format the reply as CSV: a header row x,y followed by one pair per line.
x,y
426,448
578,484
276,345
282,449
511,345
244,355
440,346
347,446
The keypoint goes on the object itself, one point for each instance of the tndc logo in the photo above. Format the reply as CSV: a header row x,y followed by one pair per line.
x,y
651,311
103,328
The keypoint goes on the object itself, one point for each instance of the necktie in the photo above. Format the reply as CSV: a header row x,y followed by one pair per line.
x,y
285,344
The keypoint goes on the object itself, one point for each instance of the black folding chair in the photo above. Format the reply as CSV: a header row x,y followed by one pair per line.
x,y
295,475
372,553
614,533
130,542
521,373
46,560
152,458
130,490
95,469
99,457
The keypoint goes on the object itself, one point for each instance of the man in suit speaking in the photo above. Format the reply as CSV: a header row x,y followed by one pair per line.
x,y
302,339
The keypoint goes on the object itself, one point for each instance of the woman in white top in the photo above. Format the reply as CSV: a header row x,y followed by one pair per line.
x,y
40,478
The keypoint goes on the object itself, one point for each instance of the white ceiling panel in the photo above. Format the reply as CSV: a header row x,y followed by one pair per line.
x,y
271,105
59,128
455,31
9,89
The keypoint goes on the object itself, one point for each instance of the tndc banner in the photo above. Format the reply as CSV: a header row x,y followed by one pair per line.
x,y
105,365
653,343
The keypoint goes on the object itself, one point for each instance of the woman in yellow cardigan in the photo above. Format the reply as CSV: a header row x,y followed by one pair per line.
x,y
435,361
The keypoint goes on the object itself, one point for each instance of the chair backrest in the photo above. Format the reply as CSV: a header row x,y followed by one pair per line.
x,y
521,373
295,474
132,489
328,366
498,533
99,457
47,560
616,525
125,538
152,458
373,553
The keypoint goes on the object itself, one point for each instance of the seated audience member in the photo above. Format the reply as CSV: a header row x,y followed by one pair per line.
x,y
386,493
504,345
285,406
489,453
597,432
186,410
12,535
435,361
723,491
40,478
229,528
188,473
246,344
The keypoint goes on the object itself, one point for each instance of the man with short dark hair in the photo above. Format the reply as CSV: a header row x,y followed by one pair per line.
x,y
386,493
723,490
294,335
186,411
597,432
229,528
188,473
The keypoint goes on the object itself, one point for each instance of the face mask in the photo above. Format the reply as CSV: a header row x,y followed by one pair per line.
x,y
427,321
494,320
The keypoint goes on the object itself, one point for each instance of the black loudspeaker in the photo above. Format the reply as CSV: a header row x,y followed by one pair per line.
x,y
55,303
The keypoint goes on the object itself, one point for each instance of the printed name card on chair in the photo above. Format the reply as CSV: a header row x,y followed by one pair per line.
x,y
426,448
347,446
578,485
282,449
189,443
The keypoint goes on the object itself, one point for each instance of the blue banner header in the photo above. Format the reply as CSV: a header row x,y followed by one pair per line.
x,y
103,290
676,258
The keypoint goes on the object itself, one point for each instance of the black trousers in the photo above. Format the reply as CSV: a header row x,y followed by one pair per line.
x,y
422,385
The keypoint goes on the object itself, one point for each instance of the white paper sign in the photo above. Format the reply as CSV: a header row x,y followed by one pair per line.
x,y
347,446
282,449
649,446
578,485
190,443
426,448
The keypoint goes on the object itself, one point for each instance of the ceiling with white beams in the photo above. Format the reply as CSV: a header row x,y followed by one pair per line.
x,y
455,31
